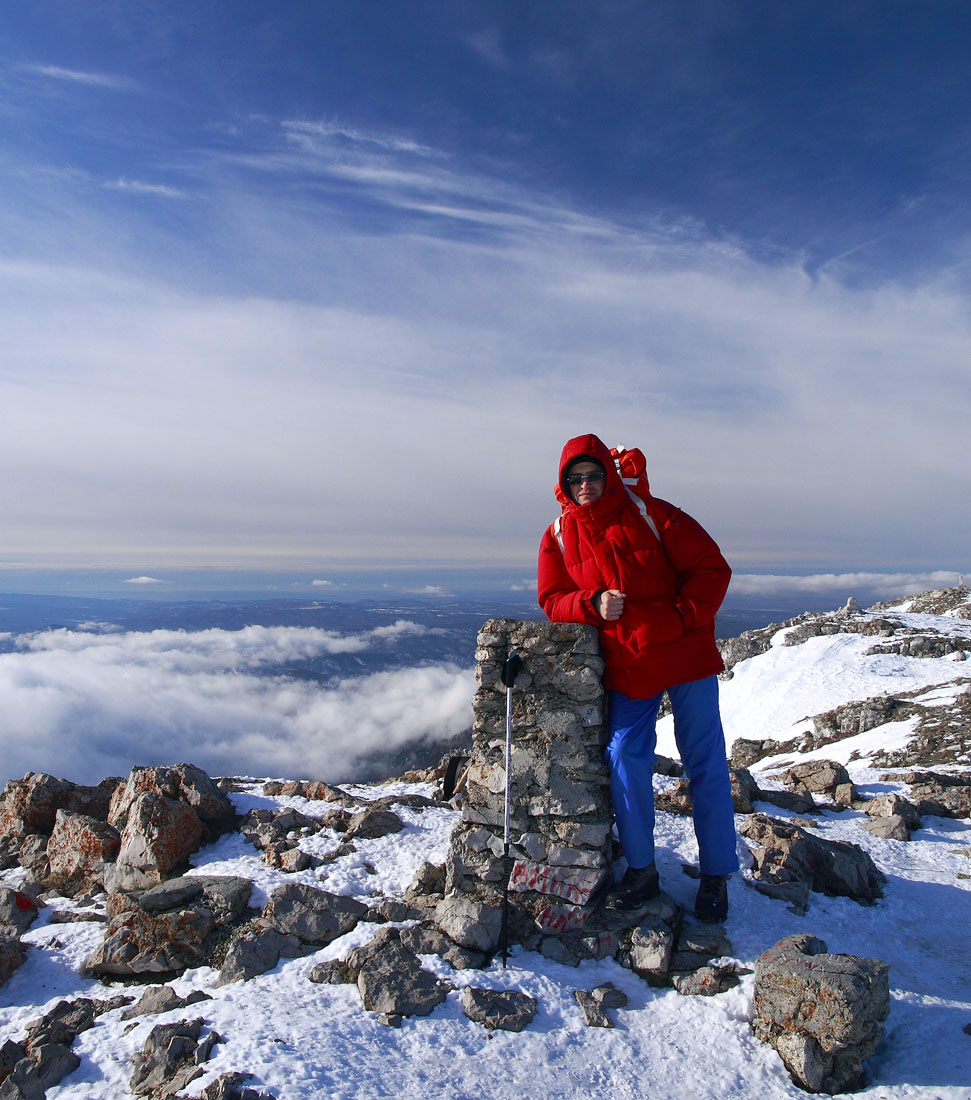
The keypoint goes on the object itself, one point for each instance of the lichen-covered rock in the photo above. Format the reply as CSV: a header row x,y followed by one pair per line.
x,y
181,783
80,847
823,1013
159,834
137,943
29,805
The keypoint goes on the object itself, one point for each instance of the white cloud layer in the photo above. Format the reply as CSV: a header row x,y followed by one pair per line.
x,y
887,584
89,705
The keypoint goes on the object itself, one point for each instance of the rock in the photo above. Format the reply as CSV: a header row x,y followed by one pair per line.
x,y
745,751
675,800
506,1010
786,853
162,998
137,943
429,941
372,823
797,802
225,896
160,834
665,765
165,1064
651,950
165,929
745,790
254,954
823,1013
12,956
470,923
390,909
180,783
228,1086
698,944
33,857
18,911
313,915
391,980
821,777
32,1076
29,805
80,846
429,881
706,981
10,1055
312,790
331,972
888,828
893,805
594,1003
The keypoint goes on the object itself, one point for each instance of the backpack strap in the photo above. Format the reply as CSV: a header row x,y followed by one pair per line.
x,y
557,529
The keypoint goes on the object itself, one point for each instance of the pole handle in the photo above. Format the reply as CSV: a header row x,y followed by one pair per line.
x,y
511,667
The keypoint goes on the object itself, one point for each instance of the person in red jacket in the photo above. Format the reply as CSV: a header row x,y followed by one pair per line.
x,y
651,579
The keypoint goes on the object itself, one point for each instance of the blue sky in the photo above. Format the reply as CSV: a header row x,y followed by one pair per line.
x,y
316,285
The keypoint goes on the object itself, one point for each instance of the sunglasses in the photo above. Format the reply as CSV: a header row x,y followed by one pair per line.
x,y
579,479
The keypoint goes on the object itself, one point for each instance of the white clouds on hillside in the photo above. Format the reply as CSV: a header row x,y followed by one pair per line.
x,y
89,705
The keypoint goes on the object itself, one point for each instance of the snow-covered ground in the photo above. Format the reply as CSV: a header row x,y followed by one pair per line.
x,y
301,1040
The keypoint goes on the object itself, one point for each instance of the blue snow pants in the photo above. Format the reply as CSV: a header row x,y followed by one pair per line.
x,y
701,742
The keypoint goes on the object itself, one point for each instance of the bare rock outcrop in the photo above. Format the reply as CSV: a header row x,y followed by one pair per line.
x,y
29,805
788,862
81,847
165,930
823,1013
163,814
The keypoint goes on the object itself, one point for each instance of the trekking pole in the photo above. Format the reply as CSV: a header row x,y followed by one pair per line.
x,y
510,670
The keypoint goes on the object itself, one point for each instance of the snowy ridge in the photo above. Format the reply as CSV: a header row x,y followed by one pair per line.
x,y
300,1040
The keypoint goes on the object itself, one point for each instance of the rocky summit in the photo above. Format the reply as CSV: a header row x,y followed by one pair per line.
x,y
170,933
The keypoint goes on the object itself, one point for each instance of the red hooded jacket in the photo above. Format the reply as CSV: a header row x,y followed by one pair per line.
x,y
666,634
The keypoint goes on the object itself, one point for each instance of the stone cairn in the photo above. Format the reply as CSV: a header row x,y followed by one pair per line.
x,y
560,815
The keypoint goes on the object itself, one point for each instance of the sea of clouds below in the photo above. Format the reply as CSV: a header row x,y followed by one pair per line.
x,y
94,701
86,705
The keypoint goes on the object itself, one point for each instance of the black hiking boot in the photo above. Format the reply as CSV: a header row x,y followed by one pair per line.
x,y
638,886
711,904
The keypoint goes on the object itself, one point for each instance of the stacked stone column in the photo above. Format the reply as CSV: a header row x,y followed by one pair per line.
x,y
560,825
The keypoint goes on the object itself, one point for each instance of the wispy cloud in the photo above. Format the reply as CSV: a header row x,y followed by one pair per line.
x,y
77,76
311,135
89,705
140,188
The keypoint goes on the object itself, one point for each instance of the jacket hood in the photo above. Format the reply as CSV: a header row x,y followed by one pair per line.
x,y
591,447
